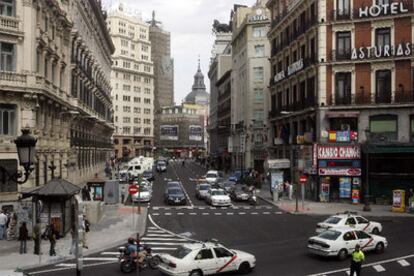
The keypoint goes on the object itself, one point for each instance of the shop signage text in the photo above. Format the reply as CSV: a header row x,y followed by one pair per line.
x,y
257,18
339,152
340,172
400,50
383,9
295,67
279,76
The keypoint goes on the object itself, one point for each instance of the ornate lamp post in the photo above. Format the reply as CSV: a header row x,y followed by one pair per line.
x,y
26,150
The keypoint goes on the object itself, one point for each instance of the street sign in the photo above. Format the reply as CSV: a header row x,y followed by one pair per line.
x,y
133,189
303,179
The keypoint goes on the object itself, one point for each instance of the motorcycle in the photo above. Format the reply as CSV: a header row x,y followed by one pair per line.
x,y
128,262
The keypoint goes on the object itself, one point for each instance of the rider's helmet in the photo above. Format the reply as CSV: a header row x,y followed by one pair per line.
x,y
131,240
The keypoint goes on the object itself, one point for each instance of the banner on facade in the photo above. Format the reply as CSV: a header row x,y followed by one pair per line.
x,y
339,152
340,171
169,132
195,133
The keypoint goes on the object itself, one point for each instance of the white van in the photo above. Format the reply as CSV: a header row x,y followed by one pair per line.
x,y
138,165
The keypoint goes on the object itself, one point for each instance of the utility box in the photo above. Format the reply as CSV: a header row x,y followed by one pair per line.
x,y
398,201
111,192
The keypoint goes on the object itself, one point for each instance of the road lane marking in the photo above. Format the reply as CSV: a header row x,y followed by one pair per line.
x,y
163,248
180,214
110,253
229,213
205,214
161,239
192,214
254,213
163,243
246,207
100,259
158,235
403,263
65,265
156,214
182,186
218,214
379,268
242,213
167,214
266,213
278,213
201,208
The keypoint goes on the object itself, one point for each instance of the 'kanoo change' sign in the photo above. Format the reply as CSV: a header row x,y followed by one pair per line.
x,y
339,152
383,9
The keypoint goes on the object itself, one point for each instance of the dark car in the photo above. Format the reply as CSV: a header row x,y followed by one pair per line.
x,y
236,176
240,193
226,185
173,184
161,166
175,196
148,175
202,190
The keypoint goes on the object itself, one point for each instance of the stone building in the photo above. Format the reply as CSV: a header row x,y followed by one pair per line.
x,y
163,69
250,72
43,50
342,81
132,80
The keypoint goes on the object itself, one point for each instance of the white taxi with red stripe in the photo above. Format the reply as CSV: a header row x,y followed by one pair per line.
x,y
351,219
208,258
341,242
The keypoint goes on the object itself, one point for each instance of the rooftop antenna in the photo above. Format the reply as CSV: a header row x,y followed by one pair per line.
x,y
153,22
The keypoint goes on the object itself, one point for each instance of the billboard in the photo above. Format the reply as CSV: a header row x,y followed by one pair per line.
x,y
195,133
169,132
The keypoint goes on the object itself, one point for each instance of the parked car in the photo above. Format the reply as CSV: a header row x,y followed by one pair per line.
x,y
240,193
202,190
349,219
175,196
196,259
144,194
218,197
148,175
341,242
212,176
161,166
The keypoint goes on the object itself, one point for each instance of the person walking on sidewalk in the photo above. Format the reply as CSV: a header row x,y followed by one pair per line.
x,y
36,237
3,222
23,237
73,243
86,228
357,258
52,236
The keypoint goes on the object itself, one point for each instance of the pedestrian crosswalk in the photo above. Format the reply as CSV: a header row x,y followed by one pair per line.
x,y
162,241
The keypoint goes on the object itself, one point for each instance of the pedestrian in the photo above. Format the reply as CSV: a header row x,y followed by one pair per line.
x,y
23,237
3,222
73,243
86,228
52,235
357,258
122,194
36,237
290,190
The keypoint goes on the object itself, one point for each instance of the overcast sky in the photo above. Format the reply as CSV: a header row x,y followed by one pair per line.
x,y
189,22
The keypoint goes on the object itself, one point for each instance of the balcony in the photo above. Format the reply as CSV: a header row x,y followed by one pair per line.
x,y
338,15
343,100
384,98
341,55
10,25
13,79
404,97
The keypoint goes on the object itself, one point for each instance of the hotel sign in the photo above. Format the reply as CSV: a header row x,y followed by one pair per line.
x,y
399,50
295,67
339,152
383,9
279,76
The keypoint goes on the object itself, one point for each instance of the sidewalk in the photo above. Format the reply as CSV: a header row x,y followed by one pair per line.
x,y
330,208
114,228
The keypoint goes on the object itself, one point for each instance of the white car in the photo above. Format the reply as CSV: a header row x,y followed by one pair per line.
x,y
144,194
218,197
341,242
349,219
212,176
196,259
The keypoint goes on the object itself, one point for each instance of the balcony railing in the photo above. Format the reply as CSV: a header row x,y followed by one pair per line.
x,y
404,97
384,98
338,15
343,100
8,23
13,77
341,55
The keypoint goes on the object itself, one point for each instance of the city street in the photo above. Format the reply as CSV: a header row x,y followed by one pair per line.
x,y
278,240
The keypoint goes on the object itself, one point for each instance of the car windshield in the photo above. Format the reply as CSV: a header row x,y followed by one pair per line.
x,y
333,220
175,192
181,252
218,192
204,187
211,175
143,189
173,184
161,163
330,235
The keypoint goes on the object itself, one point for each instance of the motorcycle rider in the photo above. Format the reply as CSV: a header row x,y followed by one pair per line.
x,y
136,250
132,247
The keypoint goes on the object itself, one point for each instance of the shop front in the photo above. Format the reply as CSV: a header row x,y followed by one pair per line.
x,y
339,173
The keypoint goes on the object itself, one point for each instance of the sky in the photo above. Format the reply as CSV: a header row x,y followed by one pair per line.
x,y
190,23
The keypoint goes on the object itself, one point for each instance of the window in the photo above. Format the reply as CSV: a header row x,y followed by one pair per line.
x,y
383,37
53,72
222,252
38,61
343,88
259,50
127,109
343,45
147,101
137,99
259,31
136,120
147,91
412,128
8,124
383,86
126,130
7,7
258,73
343,7
126,120
349,236
7,57
350,221
46,65
258,95
362,235
383,127
361,220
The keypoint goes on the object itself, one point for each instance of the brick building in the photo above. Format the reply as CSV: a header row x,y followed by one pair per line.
x,y
343,81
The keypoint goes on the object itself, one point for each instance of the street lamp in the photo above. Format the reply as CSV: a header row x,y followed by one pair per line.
x,y
26,150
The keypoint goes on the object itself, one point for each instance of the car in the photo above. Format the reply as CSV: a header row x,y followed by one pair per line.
x,y
212,176
161,166
226,185
236,176
240,193
148,175
341,242
144,194
173,184
349,219
205,258
218,197
175,196
202,190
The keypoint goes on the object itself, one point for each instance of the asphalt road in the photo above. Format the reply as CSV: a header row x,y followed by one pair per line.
x,y
278,240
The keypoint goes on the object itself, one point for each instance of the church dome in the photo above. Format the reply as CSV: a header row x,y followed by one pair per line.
x,y
198,95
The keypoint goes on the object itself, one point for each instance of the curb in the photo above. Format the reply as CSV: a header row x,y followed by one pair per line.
x,y
92,251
